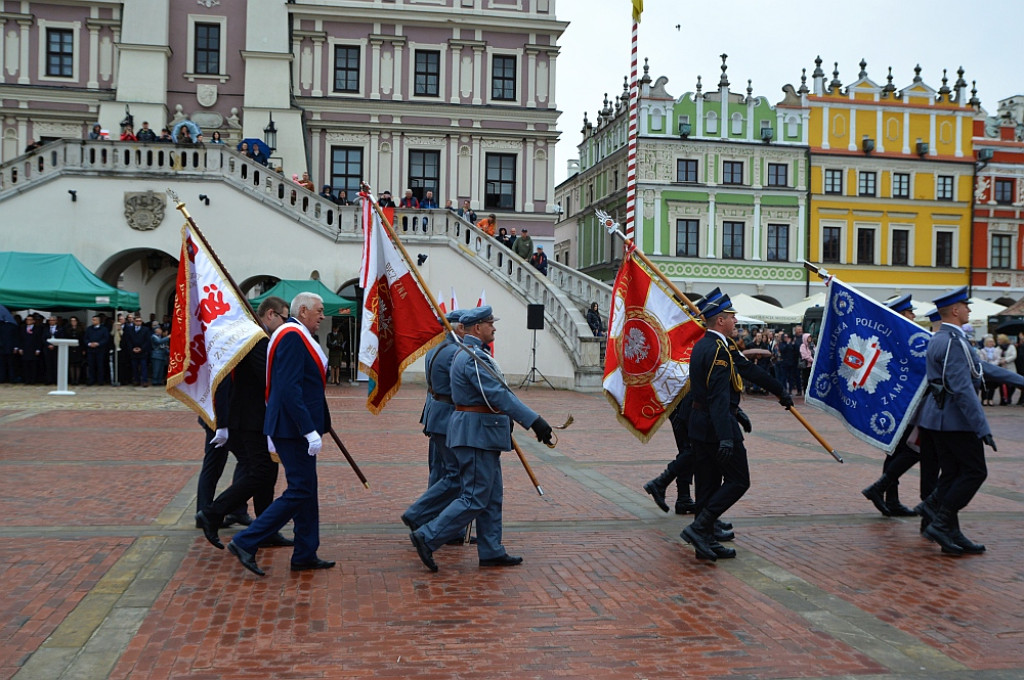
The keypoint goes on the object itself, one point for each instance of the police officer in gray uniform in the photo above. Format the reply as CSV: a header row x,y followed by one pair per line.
x,y
953,424
444,468
478,431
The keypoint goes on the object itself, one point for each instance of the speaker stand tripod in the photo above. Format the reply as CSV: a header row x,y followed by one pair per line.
x,y
531,377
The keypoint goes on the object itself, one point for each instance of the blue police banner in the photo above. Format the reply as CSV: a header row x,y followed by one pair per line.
x,y
869,370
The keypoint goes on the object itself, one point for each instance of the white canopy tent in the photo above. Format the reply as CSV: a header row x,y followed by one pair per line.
x,y
816,300
746,305
747,321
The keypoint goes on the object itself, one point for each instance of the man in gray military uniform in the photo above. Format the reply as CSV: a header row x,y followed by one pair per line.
x,y
478,431
443,482
953,425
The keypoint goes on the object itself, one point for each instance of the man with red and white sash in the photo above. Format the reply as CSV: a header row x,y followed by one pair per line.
x,y
297,416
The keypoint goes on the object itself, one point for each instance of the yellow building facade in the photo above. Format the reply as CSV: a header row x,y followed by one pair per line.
x,y
891,181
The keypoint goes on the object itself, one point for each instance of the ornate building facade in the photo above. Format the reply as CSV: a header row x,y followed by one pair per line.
x,y
722,182
892,177
998,232
456,97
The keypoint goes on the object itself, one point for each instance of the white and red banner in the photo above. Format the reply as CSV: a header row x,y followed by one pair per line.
x,y
454,301
399,325
482,300
650,337
211,331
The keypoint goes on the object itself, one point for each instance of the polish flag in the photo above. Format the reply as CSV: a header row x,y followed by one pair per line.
x,y
482,300
454,301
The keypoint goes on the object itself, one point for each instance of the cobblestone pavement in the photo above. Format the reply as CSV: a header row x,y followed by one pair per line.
x,y
103,574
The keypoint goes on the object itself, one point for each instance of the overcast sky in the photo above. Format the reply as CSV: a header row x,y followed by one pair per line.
x,y
769,41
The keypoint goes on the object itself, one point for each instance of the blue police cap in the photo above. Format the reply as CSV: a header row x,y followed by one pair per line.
x,y
703,301
477,315
951,298
900,304
933,315
719,305
454,316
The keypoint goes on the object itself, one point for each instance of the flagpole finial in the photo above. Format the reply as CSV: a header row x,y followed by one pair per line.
x,y
173,194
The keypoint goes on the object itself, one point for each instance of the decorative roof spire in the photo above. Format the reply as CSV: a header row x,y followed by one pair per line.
x,y
699,86
607,110
974,101
960,82
888,88
863,70
624,97
723,81
917,73
818,73
647,76
586,124
944,90
836,84
750,90
803,82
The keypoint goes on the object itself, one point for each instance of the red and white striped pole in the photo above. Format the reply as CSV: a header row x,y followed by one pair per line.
x,y
634,95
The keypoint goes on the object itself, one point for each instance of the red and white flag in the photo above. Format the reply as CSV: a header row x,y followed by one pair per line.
x,y
482,300
650,337
454,302
212,329
399,325
441,303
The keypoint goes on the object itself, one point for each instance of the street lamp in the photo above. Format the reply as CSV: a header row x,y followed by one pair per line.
x,y
270,134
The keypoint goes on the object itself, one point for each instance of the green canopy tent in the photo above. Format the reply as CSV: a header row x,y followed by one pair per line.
x,y
334,305
56,282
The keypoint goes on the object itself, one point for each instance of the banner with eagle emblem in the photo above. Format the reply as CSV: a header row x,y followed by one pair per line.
x,y
650,337
399,325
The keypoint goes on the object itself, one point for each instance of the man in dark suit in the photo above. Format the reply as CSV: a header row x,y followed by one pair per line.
x,y
721,471
246,413
297,416
137,342
97,342
52,329
30,349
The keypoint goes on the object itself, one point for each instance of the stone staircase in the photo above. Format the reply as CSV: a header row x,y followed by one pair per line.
x,y
565,293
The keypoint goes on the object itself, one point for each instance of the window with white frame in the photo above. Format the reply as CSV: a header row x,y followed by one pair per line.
x,y
346,68
206,56
867,182
900,248
60,53
901,185
944,188
686,170
778,243
427,73
732,240
1001,251
866,245
687,238
943,248
503,77
831,244
833,181
732,172
778,175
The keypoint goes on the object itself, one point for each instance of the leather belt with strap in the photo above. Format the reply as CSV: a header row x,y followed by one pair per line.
x,y
474,409
442,397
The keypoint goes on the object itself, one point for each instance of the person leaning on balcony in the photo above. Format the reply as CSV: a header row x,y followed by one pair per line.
x,y
523,246
97,132
540,261
429,202
145,134
488,224
409,201
165,137
467,213
385,200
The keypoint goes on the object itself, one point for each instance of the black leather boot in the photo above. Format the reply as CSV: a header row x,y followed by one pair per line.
x,y
940,531
698,534
658,486
926,509
892,501
723,533
876,494
969,546
721,551
684,503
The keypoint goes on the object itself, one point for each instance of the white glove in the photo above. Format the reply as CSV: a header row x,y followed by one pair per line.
x,y
315,443
220,437
270,445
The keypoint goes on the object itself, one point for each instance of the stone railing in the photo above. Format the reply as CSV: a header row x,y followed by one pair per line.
x,y
565,293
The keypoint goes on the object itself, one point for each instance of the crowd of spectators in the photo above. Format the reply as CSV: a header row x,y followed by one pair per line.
x,y
141,357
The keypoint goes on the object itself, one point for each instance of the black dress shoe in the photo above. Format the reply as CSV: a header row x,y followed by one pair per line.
x,y
248,561
723,536
209,530
686,506
313,564
244,519
424,551
503,561
275,541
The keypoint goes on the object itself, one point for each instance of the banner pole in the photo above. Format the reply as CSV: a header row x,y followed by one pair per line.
x,y
437,310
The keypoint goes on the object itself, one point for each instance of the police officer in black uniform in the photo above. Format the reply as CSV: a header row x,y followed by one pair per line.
x,y
720,466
